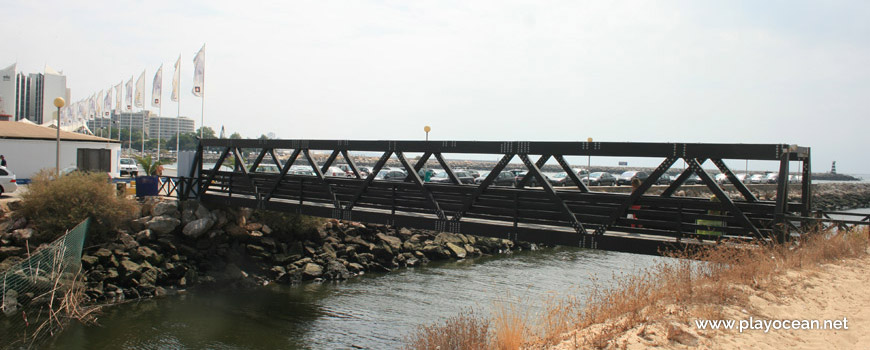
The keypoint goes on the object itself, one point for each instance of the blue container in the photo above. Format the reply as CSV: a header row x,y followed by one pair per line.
x,y
146,186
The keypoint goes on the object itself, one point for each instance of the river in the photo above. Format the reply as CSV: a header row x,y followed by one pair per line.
x,y
375,311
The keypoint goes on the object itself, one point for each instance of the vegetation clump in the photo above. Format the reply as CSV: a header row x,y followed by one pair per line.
x,y
56,204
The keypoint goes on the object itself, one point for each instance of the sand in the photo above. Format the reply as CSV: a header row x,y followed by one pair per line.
x,y
826,292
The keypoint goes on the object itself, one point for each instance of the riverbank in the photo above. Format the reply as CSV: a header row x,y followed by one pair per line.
x,y
812,294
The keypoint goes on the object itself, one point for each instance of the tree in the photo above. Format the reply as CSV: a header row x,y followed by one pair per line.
x,y
236,136
150,165
187,141
207,132
263,137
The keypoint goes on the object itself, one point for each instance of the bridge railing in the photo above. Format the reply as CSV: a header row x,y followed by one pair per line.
x,y
570,213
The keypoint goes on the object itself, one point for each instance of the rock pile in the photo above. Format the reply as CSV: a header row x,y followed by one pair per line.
x,y
173,247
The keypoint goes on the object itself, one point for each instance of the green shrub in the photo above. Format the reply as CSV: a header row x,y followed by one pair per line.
x,y
55,205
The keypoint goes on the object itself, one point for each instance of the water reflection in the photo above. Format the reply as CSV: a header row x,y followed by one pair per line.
x,y
374,311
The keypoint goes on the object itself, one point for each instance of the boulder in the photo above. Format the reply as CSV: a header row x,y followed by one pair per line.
x,y
165,208
148,255
394,242
148,277
266,229
446,237
140,223
22,235
163,224
336,271
144,235
418,238
128,241
404,232
311,271
456,250
236,231
89,261
130,268
104,254
196,228
254,226
203,213
434,251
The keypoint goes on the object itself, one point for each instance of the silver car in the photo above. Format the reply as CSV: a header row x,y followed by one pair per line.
x,y
7,181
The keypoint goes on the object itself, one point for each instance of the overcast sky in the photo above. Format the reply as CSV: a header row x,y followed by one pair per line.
x,y
683,71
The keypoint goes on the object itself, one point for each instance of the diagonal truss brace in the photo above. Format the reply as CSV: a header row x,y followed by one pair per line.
x,y
535,171
541,161
747,194
369,180
726,201
321,178
416,179
483,186
280,177
637,193
571,175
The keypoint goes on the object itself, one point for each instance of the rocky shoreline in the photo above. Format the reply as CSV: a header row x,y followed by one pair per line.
x,y
175,247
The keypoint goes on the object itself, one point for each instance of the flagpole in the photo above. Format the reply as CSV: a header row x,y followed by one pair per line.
x,y
178,113
202,110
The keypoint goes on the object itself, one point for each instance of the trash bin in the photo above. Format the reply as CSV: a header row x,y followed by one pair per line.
x,y
146,186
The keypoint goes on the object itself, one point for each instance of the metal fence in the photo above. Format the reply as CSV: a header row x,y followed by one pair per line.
x,y
33,290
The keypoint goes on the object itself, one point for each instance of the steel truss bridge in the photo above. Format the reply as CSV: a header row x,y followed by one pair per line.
x,y
574,216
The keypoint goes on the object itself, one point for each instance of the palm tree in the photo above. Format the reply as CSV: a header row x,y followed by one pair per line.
x,y
152,167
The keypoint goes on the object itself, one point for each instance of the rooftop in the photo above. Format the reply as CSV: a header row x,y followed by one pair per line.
x,y
23,130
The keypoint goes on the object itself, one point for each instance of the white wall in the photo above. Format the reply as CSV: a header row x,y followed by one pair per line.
x,y
26,157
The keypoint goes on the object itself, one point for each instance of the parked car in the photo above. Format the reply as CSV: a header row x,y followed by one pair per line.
x,y
533,182
665,179
562,178
364,171
474,173
626,177
8,182
334,172
267,168
301,170
504,178
693,180
756,179
771,178
391,175
743,178
463,176
721,179
346,168
599,179
128,167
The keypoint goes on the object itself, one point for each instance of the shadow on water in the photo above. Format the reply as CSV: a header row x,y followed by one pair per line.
x,y
372,311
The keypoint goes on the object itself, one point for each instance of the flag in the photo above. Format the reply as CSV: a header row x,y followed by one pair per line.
x,y
118,97
175,80
130,93
107,103
222,131
91,107
157,87
98,104
139,98
199,72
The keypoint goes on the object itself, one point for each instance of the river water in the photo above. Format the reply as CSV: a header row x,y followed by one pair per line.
x,y
375,311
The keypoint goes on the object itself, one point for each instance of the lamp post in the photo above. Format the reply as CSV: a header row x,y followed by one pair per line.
x,y
427,129
58,102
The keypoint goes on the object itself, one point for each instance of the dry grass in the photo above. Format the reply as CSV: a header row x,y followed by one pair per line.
x,y
699,285
57,204
467,331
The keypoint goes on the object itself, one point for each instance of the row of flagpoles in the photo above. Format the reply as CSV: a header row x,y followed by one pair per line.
x,y
77,114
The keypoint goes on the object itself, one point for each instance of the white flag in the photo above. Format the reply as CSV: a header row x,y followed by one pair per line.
x,y
98,104
139,99
92,107
107,103
118,97
130,93
175,80
199,72
157,87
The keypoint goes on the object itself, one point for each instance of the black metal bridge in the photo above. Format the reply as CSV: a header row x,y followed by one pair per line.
x,y
638,222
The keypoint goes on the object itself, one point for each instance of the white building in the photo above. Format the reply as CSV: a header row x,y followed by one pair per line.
x,y
31,96
29,148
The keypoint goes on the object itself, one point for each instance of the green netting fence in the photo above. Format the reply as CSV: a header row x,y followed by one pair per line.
x,y
41,293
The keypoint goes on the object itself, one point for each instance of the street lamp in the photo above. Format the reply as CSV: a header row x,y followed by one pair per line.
x,y
589,163
427,129
58,102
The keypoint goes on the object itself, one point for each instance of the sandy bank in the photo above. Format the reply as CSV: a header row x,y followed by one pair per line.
x,y
822,292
